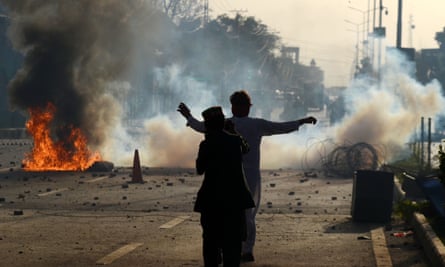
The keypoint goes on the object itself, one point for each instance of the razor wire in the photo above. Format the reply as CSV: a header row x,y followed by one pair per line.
x,y
342,159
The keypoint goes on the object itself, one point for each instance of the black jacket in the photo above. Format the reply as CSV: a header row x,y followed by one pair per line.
x,y
224,186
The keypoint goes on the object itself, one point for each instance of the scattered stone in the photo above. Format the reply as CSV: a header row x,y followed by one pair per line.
x,y
310,174
18,212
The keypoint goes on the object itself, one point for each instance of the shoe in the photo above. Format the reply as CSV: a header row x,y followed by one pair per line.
x,y
247,257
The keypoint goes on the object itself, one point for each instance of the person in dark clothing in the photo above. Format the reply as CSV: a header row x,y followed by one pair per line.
x,y
223,196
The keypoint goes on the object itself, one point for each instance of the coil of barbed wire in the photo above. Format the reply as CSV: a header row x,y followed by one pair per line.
x,y
341,160
344,160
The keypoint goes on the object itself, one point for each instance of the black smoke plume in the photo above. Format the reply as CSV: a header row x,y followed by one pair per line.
x,y
72,50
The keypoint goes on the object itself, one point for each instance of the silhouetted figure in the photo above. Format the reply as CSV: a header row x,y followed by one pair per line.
x,y
224,195
252,130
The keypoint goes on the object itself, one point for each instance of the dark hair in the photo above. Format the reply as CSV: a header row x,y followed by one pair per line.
x,y
240,98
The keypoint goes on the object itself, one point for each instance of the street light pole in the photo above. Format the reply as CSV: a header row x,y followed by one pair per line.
x,y
399,26
357,46
365,32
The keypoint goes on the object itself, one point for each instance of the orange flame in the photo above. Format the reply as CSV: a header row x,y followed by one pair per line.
x,y
64,155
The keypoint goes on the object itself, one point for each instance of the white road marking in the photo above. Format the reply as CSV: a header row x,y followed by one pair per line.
x,y
96,179
52,192
174,222
118,253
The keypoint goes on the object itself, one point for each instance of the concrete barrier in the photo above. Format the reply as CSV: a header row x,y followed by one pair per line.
x,y
432,245
14,133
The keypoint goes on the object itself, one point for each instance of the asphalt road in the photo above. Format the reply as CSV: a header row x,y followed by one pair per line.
x,y
101,218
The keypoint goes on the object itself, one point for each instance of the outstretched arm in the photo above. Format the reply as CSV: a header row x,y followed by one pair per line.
x,y
184,110
191,121
308,120
273,128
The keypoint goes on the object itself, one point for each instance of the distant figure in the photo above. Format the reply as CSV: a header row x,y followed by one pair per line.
x,y
224,195
252,129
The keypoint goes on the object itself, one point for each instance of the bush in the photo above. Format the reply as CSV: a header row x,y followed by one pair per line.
x,y
406,208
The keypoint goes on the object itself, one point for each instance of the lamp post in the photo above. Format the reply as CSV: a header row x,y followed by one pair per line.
x,y
357,47
369,49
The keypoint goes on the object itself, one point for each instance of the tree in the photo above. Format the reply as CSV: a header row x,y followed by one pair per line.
x,y
440,66
440,38
180,11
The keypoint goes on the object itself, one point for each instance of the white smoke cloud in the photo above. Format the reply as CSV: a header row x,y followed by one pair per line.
x,y
113,65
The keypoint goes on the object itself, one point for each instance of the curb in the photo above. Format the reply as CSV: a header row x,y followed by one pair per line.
x,y
433,247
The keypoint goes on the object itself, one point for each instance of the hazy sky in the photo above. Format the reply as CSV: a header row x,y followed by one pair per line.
x,y
320,29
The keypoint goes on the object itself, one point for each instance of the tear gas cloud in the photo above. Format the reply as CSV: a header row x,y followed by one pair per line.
x,y
97,60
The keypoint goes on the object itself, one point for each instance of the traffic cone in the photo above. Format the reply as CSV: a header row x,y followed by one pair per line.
x,y
137,173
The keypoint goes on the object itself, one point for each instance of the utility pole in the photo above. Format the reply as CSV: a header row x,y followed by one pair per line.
x,y
399,26
379,59
206,12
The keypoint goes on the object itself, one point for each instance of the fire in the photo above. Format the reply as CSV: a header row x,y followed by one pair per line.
x,y
71,154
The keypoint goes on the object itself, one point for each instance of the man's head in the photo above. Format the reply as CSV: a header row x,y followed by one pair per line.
x,y
213,119
241,103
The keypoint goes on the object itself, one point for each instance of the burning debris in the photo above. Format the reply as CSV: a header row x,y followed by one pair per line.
x,y
70,153
73,52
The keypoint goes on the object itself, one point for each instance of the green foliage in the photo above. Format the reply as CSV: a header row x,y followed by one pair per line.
x,y
406,208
